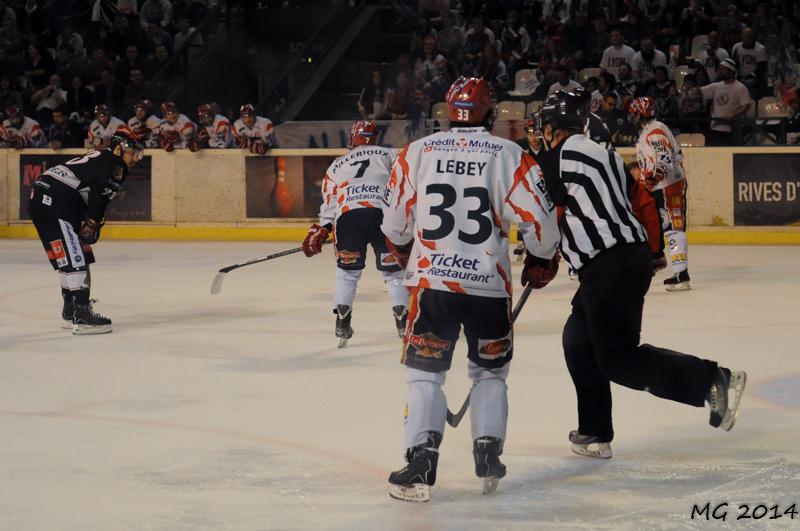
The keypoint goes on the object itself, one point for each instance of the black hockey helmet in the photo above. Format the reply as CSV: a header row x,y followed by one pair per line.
x,y
564,110
125,139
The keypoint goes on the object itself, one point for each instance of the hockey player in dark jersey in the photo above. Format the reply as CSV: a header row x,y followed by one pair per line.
x,y
67,206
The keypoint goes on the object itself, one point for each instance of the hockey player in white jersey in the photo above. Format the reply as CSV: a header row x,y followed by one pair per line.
x,y
661,165
352,191
176,131
19,131
143,126
103,127
253,132
213,130
452,197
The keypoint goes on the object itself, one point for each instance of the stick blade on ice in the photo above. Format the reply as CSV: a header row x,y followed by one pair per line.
x,y
216,285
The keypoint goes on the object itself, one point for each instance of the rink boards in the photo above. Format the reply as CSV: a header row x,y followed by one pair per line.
x,y
735,195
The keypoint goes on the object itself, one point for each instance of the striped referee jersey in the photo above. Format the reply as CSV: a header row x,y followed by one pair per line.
x,y
593,187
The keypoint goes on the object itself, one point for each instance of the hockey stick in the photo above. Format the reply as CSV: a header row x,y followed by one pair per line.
x,y
216,284
455,419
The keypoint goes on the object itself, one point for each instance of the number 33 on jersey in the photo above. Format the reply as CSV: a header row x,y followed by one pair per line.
x,y
455,194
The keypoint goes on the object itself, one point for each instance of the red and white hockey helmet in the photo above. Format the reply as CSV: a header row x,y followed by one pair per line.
x,y
101,110
642,107
205,113
470,101
247,110
169,107
363,132
142,105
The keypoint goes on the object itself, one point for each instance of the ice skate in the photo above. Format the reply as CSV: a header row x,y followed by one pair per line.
x,y
519,251
343,329
589,445
413,482
68,310
400,316
725,408
86,321
573,275
487,452
679,282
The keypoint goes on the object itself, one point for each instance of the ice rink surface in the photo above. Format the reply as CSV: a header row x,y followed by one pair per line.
x,y
236,411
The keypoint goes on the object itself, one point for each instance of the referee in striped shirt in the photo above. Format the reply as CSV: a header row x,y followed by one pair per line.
x,y
605,241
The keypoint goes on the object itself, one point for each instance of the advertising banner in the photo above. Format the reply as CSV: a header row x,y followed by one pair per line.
x,y
766,189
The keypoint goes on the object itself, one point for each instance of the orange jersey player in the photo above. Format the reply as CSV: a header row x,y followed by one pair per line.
x,y
214,130
452,197
254,132
352,193
661,165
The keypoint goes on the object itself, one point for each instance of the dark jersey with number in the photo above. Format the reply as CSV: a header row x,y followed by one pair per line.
x,y
82,187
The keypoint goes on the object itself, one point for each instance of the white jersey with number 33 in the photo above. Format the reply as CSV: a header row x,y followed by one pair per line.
x,y
355,180
455,193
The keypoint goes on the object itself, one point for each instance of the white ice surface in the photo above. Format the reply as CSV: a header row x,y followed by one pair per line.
x,y
236,411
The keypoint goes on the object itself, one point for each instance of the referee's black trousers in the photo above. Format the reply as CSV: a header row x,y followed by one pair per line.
x,y
601,342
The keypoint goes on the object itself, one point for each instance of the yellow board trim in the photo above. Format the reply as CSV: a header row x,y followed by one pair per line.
x,y
296,233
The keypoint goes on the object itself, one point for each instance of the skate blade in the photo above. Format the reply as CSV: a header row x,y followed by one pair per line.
x,y
680,286
489,485
594,450
738,381
66,324
86,330
418,492
342,342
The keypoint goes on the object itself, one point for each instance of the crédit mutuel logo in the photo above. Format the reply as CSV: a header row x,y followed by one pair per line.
x,y
461,143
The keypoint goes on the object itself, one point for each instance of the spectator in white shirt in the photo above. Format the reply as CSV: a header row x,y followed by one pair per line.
x,y
750,56
616,55
730,100
711,56
646,60
563,82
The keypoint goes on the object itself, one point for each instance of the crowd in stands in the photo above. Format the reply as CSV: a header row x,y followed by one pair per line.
x,y
67,64
698,59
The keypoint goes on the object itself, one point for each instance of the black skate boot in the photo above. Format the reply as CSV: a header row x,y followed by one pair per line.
x,y
590,445
67,311
400,316
679,282
86,321
343,329
413,482
725,408
487,452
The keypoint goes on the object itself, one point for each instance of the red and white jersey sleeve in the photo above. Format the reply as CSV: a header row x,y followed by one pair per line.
x,y
185,128
147,129
98,133
262,130
30,131
355,180
455,195
219,133
657,147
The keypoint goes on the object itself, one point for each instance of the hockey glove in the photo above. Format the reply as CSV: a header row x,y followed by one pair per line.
x,y
258,147
401,253
659,262
651,180
315,238
90,231
203,137
16,142
538,271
